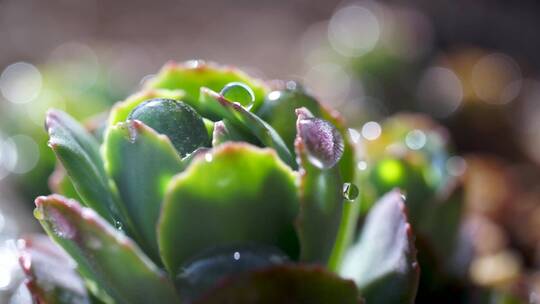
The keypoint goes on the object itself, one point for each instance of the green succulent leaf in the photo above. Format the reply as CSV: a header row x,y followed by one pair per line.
x,y
121,110
321,188
78,152
60,183
242,119
441,226
390,172
347,163
233,194
285,284
350,174
209,125
383,261
141,163
208,269
410,154
225,132
51,274
105,257
278,110
191,76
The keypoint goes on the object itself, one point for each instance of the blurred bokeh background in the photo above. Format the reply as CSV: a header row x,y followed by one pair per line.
x,y
473,66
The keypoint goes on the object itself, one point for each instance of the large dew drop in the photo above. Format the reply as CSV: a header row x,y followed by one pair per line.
x,y
175,119
323,142
239,92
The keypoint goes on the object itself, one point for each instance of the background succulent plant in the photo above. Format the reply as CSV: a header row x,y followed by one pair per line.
x,y
77,85
210,186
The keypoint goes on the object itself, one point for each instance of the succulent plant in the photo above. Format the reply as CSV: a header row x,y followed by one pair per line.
x,y
209,186
412,154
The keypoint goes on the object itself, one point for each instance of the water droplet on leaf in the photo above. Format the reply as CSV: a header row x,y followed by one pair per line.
x,y
175,119
200,274
118,225
350,191
323,142
239,92
38,214
63,229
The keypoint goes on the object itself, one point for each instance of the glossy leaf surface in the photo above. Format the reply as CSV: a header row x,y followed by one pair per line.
x,y
383,260
321,197
51,274
141,163
236,193
192,75
79,153
113,263
288,285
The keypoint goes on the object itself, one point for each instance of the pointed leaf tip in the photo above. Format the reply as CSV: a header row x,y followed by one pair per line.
x,y
141,162
239,117
105,256
78,151
38,255
384,254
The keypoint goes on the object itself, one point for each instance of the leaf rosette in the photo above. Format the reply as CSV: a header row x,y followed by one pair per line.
x,y
210,187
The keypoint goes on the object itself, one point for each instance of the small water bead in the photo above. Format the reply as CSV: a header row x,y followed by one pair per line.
x,y
239,92
323,142
38,214
118,225
64,230
202,273
350,191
